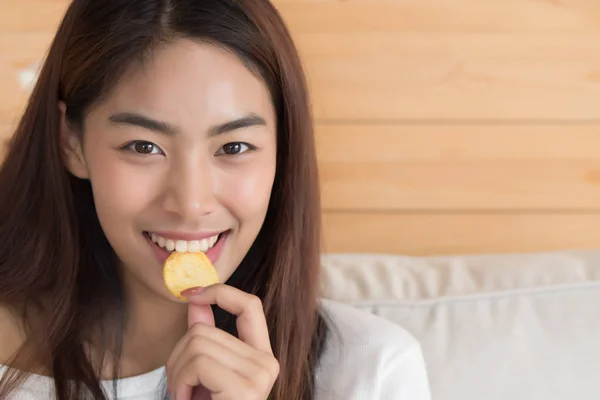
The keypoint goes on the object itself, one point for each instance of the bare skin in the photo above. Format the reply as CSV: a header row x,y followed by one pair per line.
x,y
181,182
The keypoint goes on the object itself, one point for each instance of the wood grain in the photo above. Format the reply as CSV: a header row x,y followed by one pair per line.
x,y
351,16
460,233
19,53
452,76
479,185
367,71
335,16
31,15
6,131
463,126
382,142
449,60
459,167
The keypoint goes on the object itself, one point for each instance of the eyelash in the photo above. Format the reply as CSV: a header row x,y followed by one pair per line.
x,y
131,148
249,147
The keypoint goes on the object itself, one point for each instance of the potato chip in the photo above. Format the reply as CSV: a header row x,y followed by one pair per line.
x,y
187,270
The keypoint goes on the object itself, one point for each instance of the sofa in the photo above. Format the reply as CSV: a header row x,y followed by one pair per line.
x,y
492,327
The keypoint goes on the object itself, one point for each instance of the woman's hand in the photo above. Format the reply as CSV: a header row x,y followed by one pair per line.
x,y
210,364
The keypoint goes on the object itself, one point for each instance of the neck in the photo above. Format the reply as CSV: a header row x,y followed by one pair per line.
x,y
154,326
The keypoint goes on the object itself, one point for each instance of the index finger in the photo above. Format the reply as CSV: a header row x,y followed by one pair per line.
x,y
250,317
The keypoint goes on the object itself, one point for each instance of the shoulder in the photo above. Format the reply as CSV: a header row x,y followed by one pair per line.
x,y
367,356
362,327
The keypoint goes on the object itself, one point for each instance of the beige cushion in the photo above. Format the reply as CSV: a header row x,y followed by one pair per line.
x,y
509,327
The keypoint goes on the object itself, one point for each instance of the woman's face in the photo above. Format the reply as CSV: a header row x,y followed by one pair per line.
x,y
181,155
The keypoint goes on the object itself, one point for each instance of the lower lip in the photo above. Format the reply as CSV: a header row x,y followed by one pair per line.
x,y
213,253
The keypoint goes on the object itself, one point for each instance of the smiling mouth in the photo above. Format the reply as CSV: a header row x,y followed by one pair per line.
x,y
184,246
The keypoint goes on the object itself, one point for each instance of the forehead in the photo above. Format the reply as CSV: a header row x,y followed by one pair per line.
x,y
190,83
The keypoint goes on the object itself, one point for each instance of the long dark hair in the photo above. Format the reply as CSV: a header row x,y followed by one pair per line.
x,y
55,260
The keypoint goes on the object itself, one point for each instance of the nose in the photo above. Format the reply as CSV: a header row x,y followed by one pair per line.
x,y
190,193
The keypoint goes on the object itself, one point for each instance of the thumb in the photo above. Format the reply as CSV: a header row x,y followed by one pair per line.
x,y
200,313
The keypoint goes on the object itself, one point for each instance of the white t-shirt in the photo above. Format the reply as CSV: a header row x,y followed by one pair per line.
x,y
366,358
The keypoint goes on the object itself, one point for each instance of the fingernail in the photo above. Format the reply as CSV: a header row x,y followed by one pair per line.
x,y
192,291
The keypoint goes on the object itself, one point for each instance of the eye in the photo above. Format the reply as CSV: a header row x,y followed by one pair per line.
x,y
234,148
143,147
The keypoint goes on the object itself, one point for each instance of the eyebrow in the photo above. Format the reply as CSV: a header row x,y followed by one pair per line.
x,y
142,121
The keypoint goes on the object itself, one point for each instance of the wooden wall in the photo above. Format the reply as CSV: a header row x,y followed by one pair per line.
x,y
443,126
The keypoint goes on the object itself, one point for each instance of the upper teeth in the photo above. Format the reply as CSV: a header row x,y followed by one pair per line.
x,y
184,246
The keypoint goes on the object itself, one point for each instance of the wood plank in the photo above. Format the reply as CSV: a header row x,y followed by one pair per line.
x,y
380,142
452,76
459,167
433,234
20,53
477,185
6,130
31,15
434,59
394,74
373,15
334,16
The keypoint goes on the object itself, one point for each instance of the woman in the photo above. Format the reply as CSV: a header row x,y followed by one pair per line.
x,y
176,125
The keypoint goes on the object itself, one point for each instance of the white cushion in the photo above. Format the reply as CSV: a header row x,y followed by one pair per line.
x,y
492,327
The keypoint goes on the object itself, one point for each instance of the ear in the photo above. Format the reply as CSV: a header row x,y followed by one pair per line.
x,y
72,146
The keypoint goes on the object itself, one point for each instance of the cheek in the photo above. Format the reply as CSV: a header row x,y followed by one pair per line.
x,y
121,190
248,191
